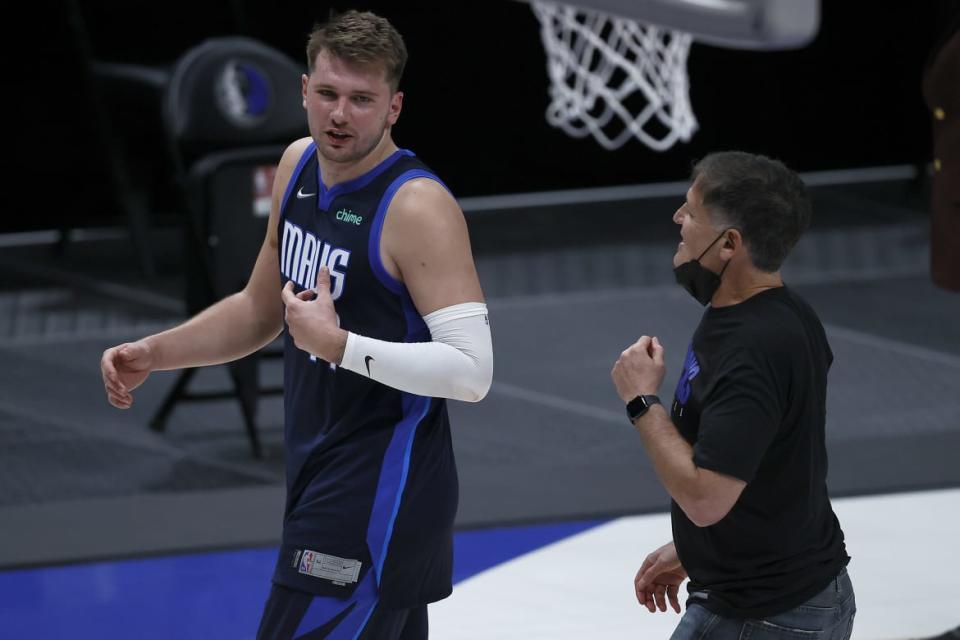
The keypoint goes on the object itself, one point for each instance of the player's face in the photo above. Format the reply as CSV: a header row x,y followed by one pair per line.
x,y
696,229
350,107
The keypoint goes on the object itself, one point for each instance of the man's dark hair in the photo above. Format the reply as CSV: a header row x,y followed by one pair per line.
x,y
360,37
767,202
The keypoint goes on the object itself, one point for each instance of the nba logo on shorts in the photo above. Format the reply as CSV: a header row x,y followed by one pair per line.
x,y
306,561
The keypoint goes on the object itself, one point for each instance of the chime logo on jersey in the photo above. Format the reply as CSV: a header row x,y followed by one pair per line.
x,y
302,254
346,215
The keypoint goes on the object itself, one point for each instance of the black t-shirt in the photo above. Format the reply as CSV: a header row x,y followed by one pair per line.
x,y
752,402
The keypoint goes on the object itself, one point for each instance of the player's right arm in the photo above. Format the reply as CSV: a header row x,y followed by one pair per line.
x,y
232,328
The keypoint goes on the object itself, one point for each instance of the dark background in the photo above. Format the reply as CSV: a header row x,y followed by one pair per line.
x,y
475,94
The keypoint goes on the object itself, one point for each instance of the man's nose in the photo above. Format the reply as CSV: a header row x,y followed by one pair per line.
x,y
339,112
678,216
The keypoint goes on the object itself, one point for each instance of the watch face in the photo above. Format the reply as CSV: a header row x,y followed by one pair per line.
x,y
639,406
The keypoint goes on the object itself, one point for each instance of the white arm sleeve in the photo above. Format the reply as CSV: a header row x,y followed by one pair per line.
x,y
457,364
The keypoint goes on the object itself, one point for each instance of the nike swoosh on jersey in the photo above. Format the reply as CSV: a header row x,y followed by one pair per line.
x,y
301,195
366,361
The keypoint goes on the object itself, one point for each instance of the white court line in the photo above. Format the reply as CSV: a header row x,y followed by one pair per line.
x,y
896,346
131,331
556,402
589,411
524,301
106,288
138,440
520,200
589,296
666,189
904,568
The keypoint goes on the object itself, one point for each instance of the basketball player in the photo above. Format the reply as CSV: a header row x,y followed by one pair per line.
x,y
384,318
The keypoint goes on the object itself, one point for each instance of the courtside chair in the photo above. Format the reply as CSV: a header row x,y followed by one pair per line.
x,y
229,110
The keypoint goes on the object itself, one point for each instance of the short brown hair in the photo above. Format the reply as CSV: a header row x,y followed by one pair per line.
x,y
767,202
360,37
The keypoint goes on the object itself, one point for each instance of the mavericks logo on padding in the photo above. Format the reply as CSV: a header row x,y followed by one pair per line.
x,y
243,93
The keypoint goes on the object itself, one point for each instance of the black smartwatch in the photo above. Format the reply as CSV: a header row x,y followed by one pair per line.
x,y
639,406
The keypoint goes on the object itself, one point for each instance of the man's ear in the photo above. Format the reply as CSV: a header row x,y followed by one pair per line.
x,y
396,105
732,242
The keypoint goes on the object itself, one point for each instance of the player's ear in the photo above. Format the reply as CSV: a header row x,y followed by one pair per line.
x,y
396,105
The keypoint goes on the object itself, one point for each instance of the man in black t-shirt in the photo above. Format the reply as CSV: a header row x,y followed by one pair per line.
x,y
742,451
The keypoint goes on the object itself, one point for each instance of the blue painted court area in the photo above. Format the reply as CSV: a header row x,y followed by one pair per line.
x,y
210,595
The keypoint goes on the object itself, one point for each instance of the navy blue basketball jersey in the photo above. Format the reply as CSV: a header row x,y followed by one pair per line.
x,y
371,481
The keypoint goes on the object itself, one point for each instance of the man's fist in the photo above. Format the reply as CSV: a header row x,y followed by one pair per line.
x,y
639,370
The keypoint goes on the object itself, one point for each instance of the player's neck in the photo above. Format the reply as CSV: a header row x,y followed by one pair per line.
x,y
335,173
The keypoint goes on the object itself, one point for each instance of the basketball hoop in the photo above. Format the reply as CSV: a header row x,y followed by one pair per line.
x,y
614,78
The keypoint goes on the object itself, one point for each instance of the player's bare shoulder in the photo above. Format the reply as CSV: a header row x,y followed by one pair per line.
x,y
424,202
285,168
291,156
288,164
425,232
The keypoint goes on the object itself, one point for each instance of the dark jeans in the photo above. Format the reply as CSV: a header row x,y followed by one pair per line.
x,y
826,616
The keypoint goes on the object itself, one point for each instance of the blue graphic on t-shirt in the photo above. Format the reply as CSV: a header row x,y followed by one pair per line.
x,y
690,370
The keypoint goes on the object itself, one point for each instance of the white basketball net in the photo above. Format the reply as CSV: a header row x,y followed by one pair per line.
x,y
602,68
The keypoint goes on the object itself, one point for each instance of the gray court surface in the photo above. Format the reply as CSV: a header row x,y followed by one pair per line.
x,y
569,287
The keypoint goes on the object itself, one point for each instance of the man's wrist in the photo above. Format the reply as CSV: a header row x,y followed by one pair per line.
x,y
155,351
640,405
339,346
657,409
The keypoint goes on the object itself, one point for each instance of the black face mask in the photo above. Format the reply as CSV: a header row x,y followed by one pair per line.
x,y
700,282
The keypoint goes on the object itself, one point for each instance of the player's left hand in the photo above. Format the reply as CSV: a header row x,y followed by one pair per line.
x,y
639,370
312,319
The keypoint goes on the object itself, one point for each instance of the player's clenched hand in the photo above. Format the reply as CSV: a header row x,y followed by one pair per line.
x,y
639,370
659,579
124,368
312,323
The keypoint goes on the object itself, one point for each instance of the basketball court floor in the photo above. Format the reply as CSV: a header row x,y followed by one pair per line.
x,y
110,530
